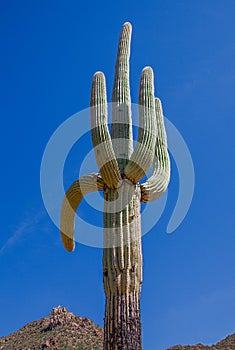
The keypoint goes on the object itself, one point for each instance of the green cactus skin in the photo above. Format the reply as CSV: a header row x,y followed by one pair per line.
x,y
157,184
142,157
120,169
122,267
101,139
121,101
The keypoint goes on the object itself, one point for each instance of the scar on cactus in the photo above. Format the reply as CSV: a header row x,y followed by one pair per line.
x,y
121,167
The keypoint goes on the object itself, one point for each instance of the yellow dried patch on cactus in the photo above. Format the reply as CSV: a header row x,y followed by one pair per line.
x,y
74,195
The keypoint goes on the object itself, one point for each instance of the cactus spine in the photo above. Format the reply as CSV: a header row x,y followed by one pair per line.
x,y
120,169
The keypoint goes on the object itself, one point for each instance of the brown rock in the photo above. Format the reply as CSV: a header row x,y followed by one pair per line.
x,y
46,345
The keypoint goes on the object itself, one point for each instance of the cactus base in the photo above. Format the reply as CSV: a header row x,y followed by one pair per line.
x,y
122,325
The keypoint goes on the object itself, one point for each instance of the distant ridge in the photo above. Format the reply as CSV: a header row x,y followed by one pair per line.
x,y
63,330
226,344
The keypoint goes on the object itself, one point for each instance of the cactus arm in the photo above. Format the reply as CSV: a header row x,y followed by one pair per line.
x,y
103,148
71,201
142,157
121,101
157,184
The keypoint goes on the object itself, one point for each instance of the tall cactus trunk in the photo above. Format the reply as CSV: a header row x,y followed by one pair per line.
x,y
122,268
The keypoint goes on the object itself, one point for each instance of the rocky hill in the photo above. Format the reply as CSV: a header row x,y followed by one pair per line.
x,y
61,330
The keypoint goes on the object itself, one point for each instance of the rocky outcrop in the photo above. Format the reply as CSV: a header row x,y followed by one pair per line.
x,y
61,330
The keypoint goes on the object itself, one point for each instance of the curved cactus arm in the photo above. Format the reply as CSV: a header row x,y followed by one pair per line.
x,y
103,148
142,157
71,201
157,184
121,130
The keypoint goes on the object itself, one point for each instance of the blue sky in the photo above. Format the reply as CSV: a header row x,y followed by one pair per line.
x,y
49,53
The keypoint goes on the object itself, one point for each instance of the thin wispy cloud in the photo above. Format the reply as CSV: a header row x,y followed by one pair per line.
x,y
27,225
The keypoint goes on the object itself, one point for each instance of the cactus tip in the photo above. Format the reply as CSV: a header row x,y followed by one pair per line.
x,y
147,72
127,24
148,69
98,74
158,103
127,28
99,77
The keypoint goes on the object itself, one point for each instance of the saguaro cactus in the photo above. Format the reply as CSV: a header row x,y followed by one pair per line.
x,y
120,169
